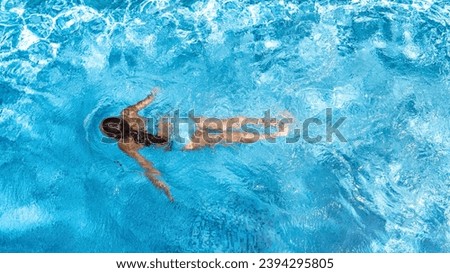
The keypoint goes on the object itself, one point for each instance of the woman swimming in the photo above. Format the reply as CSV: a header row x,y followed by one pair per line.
x,y
132,135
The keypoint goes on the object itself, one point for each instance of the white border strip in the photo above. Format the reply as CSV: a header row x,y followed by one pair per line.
x,y
345,263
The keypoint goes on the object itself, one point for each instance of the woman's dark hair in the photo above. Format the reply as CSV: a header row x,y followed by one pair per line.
x,y
119,128
115,127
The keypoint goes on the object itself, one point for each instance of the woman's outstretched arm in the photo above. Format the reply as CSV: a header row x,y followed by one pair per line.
x,y
131,111
150,171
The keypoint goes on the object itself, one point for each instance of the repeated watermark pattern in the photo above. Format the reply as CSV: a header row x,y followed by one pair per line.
x,y
216,130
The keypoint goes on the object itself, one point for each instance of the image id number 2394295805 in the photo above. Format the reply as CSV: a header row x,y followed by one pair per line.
x,y
296,263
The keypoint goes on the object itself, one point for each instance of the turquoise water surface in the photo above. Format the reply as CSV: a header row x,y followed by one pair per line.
x,y
383,65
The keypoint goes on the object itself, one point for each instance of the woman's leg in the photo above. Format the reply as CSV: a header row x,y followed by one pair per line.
x,y
246,137
202,139
225,135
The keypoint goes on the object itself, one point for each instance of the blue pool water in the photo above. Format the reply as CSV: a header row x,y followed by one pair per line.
x,y
384,65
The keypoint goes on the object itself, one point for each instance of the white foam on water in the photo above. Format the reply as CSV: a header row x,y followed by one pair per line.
x,y
216,36
5,114
344,95
79,14
429,128
271,44
161,4
94,58
55,48
158,4
27,38
411,51
138,22
132,35
265,78
422,5
378,42
148,42
23,218
17,122
18,11
254,13
209,12
315,101
292,8
395,169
